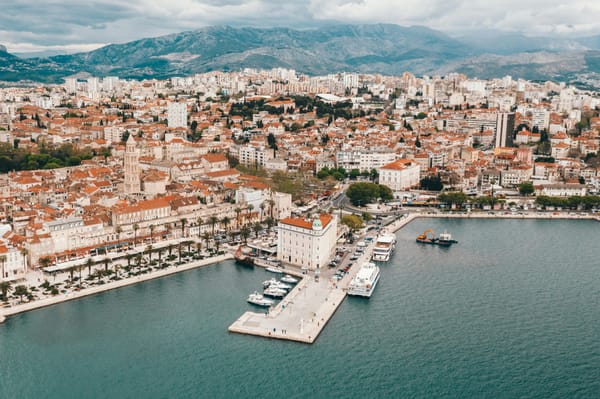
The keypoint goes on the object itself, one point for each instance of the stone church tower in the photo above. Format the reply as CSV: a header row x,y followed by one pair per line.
x,y
132,168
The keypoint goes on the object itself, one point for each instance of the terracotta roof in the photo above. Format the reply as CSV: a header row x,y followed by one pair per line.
x,y
307,223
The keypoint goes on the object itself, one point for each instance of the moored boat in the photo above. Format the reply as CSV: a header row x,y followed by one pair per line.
x,y
289,279
365,280
275,292
274,270
384,246
276,284
259,300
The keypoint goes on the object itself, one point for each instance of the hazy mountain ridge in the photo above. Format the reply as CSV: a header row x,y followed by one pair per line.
x,y
380,48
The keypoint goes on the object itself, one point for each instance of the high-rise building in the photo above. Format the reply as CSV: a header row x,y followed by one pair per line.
x,y
132,168
505,126
177,115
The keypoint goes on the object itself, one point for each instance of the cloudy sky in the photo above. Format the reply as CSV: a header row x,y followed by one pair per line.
x,y
76,25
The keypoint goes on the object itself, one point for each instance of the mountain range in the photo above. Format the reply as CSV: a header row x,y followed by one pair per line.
x,y
378,48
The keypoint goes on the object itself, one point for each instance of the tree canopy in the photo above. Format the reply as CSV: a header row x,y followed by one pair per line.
x,y
365,193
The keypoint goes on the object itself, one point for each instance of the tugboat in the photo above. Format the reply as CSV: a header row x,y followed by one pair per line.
x,y
243,257
444,240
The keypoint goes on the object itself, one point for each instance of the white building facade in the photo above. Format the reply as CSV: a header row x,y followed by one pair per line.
x,y
308,243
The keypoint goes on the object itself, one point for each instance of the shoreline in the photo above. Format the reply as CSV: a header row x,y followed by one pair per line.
x,y
403,221
42,303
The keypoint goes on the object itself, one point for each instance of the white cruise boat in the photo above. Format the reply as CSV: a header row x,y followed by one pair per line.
x,y
365,280
275,292
384,246
259,300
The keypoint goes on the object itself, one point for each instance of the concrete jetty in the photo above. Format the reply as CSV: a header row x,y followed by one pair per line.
x,y
304,312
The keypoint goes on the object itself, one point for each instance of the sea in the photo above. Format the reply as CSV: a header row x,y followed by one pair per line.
x,y
510,311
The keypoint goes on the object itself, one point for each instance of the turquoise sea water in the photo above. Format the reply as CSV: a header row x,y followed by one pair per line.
x,y
511,311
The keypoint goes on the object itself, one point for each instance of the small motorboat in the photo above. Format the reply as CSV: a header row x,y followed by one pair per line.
x,y
273,270
276,284
259,300
275,292
289,279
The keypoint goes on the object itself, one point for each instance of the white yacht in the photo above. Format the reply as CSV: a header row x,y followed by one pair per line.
x,y
259,300
365,280
289,279
275,292
384,246
276,284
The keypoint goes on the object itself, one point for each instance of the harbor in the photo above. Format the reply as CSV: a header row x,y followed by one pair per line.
x,y
305,311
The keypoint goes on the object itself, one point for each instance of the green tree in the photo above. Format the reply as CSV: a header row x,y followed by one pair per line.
x,y
432,183
354,222
21,291
365,193
5,287
526,188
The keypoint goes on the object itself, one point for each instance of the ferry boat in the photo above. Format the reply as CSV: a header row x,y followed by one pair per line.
x,y
259,300
365,280
384,246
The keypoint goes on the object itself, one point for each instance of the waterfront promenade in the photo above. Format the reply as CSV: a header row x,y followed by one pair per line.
x,y
74,294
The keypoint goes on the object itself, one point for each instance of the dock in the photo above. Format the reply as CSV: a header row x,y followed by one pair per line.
x,y
305,310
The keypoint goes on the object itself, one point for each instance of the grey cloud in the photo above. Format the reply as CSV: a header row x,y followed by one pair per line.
x,y
47,22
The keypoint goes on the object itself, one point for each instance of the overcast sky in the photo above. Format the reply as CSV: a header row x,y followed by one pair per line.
x,y
32,25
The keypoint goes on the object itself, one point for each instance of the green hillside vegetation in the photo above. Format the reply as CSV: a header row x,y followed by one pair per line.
x,y
15,159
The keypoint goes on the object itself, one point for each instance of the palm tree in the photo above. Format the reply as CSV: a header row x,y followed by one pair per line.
x,y
263,205
238,210
213,220
136,227
170,249
245,233
206,237
249,209
129,256
5,286
269,222
225,222
152,227
106,261
138,260
2,262
89,265
149,250
179,247
71,270
271,205
198,247
183,221
257,227
79,269
160,252
21,291
118,230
